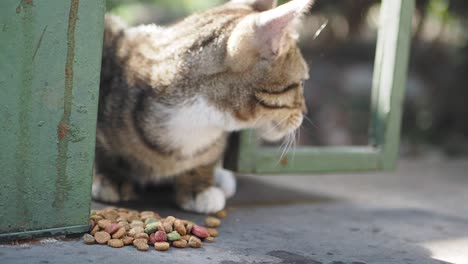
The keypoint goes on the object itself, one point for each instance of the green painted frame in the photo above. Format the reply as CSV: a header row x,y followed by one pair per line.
x,y
50,60
390,70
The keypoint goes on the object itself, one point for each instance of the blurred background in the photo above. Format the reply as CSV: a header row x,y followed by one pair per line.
x,y
338,41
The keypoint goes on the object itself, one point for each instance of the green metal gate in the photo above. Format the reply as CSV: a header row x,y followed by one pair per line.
x,y
50,54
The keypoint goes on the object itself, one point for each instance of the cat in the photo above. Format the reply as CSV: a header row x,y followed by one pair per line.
x,y
169,97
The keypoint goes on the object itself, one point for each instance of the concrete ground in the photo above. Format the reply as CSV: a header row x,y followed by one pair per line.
x,y
416,215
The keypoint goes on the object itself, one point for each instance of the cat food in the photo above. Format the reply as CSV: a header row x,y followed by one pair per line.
x,y
160,236
161,246
173,236
89,239
212,222
212,232
115,243
195,242
179,243
119,227
102,237
120,233
141,244
209,239
221,214
127,240
112,228
199,231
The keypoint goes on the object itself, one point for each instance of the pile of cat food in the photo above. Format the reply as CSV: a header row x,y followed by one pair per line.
x,y
119,227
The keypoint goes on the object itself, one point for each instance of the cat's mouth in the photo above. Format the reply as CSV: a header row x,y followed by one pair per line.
x,y
276,130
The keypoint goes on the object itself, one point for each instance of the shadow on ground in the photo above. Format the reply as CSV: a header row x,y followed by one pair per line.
x,y
271,224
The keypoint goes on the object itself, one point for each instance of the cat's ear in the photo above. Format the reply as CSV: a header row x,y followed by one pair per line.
x,y
264,33
272,25
259,5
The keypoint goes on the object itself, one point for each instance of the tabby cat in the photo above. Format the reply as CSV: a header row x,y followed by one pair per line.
x,y
169,96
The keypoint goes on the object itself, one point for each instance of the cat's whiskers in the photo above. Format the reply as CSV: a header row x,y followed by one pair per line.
x,y
278,124
289,141
310,121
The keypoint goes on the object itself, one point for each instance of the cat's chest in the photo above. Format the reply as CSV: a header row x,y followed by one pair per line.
x,y
195,127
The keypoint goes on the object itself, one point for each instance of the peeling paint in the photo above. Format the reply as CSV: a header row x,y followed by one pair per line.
x,y
61,184
82,109
77,134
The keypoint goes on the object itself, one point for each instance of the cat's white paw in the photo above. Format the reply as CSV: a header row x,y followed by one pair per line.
x,y
210,200
226,180
104,191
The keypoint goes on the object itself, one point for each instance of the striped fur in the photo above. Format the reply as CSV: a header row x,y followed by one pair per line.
x,y
169,97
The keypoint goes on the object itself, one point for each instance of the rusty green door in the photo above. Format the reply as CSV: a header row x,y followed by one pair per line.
x,y
49,77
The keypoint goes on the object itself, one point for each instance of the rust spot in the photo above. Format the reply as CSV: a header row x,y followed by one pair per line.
x,y
62,130
61,184
284,162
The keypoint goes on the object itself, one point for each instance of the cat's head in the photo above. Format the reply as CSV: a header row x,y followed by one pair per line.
x,y
250,65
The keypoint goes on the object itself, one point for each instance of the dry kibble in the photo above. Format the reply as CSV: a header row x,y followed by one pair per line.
x,y
127,240
91,224
132,216
120,233
178,222
137,223
122,219
151,227
115,243
209,239
141,235
173,236
89,239
96,218
104,223
212,222
118,227
136,230
161,246
141,244
170,220
179,243
112,228
195,242
161,227
160,236
199,231
125,225
110,215
150,220
167,227
221,214
95,229
102,237
181,229
189,227
212,232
